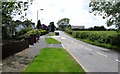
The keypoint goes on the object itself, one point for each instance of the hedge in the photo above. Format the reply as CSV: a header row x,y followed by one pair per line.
x,y
99,36
13,47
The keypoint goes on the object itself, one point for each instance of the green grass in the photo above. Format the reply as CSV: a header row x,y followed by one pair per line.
x,y
52,41
110,33
51,34
53,60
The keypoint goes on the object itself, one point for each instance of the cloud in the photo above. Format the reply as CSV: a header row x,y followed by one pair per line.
x,y
76,10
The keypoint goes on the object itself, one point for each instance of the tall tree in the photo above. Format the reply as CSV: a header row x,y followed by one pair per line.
x,y
63,23
107,9
51,27
11,9
27,23
39,25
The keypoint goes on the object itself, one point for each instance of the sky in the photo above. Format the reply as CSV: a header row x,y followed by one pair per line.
x,y
53,10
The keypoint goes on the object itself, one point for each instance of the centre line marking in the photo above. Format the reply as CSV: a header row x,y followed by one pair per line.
x,y
117,60
88,48
81,45
62,38
76,43
1,64
72,41
102,54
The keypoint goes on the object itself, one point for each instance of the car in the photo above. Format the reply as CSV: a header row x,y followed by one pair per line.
x,y
56,33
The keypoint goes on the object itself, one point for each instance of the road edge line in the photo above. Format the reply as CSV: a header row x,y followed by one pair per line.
x,y
75,59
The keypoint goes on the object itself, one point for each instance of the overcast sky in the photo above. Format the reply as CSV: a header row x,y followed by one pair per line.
x,y
76,10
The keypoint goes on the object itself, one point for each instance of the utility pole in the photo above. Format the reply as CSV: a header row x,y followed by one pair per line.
x,y
38,12
37,15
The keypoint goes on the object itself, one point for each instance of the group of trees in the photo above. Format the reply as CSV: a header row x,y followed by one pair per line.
x,y
63,24
107,9
9,10
51,27
97,28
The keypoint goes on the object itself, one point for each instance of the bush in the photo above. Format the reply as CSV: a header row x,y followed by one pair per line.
x,y
116,40
13,47
84,35
43,32
68,30
23,31
74,34
100,37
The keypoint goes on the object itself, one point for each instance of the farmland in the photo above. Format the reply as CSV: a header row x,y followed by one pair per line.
x,y
108,39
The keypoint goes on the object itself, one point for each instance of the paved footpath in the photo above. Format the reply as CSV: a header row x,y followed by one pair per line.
x,y
19,61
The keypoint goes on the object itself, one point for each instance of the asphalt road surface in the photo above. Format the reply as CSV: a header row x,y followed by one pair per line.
x,y
91,58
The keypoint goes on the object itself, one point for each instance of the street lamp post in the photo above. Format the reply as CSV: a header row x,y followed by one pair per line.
x,y
38,12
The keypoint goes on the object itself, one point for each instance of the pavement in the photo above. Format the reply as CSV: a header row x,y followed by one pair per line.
x,y
91,58
17,62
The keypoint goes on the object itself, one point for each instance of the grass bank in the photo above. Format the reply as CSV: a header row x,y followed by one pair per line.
x,y
52,41
53,60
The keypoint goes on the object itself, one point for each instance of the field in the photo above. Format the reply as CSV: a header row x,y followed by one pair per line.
x,y
108,39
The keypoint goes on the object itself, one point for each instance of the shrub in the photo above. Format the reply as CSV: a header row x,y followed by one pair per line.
x,y
116,40
23,31
83,35
100,37
68,30
43,32
74,34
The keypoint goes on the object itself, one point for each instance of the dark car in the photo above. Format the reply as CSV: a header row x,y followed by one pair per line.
x,y
56,33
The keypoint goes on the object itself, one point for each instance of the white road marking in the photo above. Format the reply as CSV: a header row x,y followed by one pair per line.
x,y
102,54
63,46
62,38
72,41
88,48
76,43
1,64
76,59
117,60
81,45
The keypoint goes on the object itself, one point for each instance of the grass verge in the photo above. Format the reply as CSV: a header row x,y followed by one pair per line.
x,y
52,41
51,34
53,60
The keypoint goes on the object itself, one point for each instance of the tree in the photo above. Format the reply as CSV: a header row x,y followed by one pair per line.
x,y
39,25
9,10
44,27
27,23
63,23
109,10
51,27
99,28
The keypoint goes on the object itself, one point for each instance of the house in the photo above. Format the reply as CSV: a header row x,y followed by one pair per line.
x,y
78,27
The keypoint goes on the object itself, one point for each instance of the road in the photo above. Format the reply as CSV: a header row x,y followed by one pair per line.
x,y
91,58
